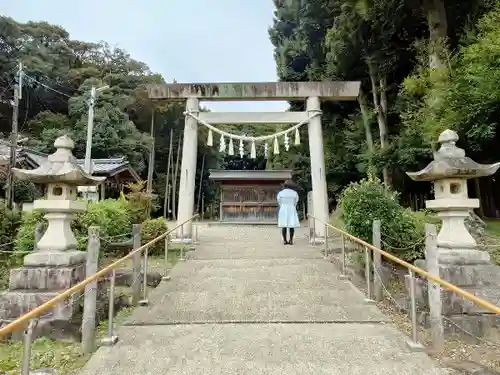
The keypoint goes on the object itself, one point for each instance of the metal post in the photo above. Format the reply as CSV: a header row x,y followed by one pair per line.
x,y
166,277
136,266
377,261
144,300
181,257
367,276
326,240
413,343
28,338
343,275
313,231
195,228
111,339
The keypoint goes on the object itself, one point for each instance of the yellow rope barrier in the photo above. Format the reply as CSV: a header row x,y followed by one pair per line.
x,y
485,304
21,321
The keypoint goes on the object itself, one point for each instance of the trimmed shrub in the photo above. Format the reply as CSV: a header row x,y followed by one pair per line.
x,y
151,229
112,216
402,230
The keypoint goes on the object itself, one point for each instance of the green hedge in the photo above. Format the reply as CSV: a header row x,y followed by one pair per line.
x,y
150,229
112,216
402,229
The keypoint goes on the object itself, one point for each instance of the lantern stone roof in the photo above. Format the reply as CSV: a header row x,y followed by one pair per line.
x,y
31,159
61,166
450,162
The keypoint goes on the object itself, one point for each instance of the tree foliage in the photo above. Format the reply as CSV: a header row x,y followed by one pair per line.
x,y
424,66
59,74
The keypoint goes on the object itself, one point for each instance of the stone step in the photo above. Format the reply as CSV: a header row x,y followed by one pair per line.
x,y
265,290
262,349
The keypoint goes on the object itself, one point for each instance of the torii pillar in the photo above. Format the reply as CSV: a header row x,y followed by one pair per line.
x,y
312,92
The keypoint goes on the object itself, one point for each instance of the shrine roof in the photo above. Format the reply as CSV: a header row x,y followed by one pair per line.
x,y
250,175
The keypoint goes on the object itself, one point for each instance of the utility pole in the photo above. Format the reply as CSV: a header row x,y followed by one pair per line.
x,y
90,130
151,162
90,127
166,202
88,147
9,193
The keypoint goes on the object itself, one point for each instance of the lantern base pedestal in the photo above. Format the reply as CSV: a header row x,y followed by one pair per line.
x,y
462,257
471,271
54,258
30,287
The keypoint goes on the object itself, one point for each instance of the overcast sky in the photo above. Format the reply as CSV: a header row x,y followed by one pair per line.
x,y
189,40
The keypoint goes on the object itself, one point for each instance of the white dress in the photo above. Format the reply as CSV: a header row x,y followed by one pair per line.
x,y
287,215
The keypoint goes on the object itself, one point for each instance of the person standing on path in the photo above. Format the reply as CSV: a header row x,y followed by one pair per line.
x,y
288,217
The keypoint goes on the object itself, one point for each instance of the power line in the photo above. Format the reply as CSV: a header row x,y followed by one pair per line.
x,y
16,73
21,147
8,87
46,86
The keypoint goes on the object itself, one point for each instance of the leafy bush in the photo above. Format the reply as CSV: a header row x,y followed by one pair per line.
x,y
25,237
402,230
9,223
140,202
151,229
112,216
10,220
25,191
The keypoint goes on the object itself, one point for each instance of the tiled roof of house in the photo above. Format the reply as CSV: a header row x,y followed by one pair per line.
x,y
108,167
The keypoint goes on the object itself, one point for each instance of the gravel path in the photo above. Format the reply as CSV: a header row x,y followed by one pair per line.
x,y
246,304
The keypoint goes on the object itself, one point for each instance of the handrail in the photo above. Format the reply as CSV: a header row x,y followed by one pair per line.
x,y
489,306
81,285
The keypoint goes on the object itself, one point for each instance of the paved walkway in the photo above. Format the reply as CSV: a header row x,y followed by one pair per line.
x,y
246,304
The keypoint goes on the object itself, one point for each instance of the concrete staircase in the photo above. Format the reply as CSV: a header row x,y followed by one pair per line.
x,y
246,304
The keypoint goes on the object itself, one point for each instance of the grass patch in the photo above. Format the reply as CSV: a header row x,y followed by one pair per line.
x,y
7,262
336,221
63,356
493,227
491,240
66,357
155,262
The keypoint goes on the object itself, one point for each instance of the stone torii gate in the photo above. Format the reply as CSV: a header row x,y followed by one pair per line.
x,y
312,92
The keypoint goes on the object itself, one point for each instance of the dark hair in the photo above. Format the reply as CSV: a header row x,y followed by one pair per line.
x,y
288,184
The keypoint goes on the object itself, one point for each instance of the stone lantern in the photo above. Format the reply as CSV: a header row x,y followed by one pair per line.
x,y
460,262
449,172
55,264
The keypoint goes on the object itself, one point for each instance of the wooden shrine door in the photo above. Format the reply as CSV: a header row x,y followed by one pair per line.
x,y
250,204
